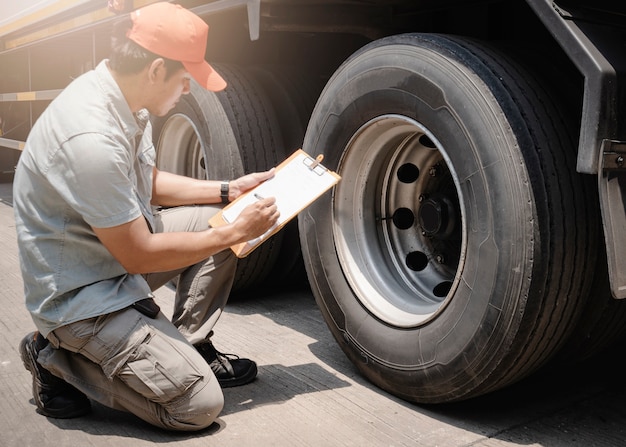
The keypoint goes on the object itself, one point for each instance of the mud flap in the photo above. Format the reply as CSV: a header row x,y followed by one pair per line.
x,y
612,190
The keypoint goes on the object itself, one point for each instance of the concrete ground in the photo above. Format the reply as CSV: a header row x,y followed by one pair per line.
x,y
308,394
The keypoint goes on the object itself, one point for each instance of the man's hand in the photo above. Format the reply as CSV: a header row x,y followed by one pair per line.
x,y
257,218
247,182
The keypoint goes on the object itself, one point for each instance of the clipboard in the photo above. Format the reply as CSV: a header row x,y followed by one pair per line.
x,y
299,181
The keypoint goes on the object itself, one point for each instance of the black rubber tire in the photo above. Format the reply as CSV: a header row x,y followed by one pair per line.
x,y
222,136
445,309
601,325
603,317
293,94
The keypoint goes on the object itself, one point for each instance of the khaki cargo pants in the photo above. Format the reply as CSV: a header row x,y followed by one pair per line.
x,y
128,361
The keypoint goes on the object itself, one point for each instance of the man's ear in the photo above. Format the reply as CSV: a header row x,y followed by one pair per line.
x,y
156,70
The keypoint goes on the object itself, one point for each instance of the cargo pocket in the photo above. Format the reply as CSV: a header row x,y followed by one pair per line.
x,y
159,370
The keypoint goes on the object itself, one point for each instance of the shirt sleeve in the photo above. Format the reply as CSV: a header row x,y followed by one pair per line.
x,y
95,175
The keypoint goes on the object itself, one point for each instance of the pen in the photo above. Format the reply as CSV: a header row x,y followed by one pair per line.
x,y
258,196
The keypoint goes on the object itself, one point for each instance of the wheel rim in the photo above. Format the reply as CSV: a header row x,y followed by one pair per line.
x,y
398,221
179,149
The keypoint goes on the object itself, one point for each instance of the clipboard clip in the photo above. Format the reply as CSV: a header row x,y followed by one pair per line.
x,y
317,161
314,164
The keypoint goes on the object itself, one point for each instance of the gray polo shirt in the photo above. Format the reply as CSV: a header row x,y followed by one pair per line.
x,y
87,163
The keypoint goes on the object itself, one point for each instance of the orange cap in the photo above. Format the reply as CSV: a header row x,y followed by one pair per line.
x,y
176,33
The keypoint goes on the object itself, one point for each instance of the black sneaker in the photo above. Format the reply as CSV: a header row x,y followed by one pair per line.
x,y
53,396
229,369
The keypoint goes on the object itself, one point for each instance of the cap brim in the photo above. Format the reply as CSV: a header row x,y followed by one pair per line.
x,y
205,75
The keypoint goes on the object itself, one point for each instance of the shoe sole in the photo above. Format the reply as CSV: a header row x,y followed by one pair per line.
x,y
29,361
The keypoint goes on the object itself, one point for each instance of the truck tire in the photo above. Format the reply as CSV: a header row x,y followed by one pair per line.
x,y
221,136
450,259
602,324
604,317
293,94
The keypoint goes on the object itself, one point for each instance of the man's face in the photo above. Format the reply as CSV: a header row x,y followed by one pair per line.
x,y
166,93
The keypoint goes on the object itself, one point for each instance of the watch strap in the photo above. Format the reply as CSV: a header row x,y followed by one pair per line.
x,y
224,189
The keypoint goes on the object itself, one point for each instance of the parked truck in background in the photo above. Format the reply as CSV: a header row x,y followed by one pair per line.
x,y
478,231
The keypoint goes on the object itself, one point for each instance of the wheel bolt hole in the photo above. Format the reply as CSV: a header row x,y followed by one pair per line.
x,y
442,289
427,142
416,261
403,218
408,173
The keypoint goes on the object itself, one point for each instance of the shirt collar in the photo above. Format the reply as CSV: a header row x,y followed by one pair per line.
x,y
132,123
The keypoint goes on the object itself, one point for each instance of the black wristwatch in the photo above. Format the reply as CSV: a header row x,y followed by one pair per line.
x,y
224,188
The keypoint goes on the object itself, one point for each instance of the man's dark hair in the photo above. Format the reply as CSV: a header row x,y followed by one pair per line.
x,y
129,58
